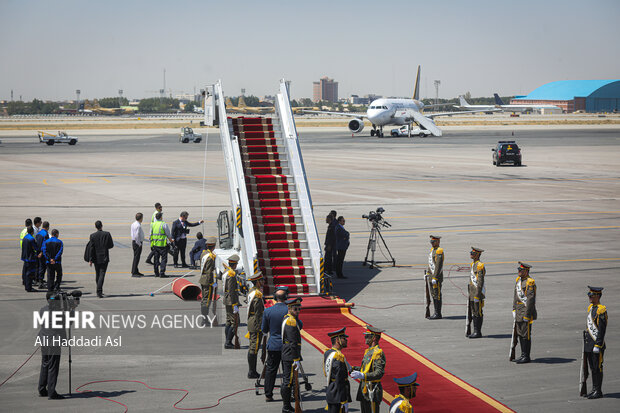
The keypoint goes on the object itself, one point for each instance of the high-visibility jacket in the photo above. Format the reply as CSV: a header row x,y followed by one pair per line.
x,y
158,234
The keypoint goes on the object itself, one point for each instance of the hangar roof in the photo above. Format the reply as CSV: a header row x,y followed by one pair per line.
x,y
567,89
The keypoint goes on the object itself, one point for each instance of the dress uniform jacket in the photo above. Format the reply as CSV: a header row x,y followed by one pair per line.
x,y
337,375
291,339
231,296
400,405
596,326
476,287
255,310
373,367
524,301
207,277
435,264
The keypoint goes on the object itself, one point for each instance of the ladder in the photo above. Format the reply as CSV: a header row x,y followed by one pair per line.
x,y
274,222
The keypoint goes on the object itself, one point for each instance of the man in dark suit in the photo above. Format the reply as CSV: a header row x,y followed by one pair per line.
x,y
272,325
342,244
50,350
199,246
180,229
101,242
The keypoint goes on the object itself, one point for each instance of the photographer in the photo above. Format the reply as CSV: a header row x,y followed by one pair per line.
x,y
342,244
179,235
50,353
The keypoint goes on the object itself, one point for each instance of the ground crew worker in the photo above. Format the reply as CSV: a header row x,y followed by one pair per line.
x,y
158,208
291,351
29,257
370,392
435,272
407,388
52,252
476,291
524,310
594,339
160,236
208,280
22,234
256,307
231,300
336,370
41,237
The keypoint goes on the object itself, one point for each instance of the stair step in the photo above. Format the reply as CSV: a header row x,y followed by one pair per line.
x,y
281,261
283,252
280,235
276,227
292,288
269,179
281,243
270,203
258,195
274,219
287,270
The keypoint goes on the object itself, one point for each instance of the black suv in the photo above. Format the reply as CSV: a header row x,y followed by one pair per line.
x,y
507,152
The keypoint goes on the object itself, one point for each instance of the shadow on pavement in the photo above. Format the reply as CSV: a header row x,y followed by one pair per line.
x,y
552,360
358,276
99,393
498,336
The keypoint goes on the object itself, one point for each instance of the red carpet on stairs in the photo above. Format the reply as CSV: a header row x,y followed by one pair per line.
x,y
279,233
439,390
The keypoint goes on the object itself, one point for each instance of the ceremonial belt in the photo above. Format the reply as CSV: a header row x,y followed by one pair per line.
x,y
593,330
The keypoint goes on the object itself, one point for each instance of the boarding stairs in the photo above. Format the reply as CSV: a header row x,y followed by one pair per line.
x,y
270,194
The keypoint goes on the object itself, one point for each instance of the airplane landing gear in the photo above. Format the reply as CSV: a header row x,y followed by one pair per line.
x,y
377,132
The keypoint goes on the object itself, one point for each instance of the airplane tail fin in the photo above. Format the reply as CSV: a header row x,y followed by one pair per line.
x,y
229,103
416,90
462,101
498,100
241,103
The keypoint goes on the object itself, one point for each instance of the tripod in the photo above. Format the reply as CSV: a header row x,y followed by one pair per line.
x,y
372,247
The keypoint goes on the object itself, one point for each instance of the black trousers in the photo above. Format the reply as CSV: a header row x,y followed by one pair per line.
x,y
595,361
339,262
329,260
335,408
54,276
271,370
29,272
42,269
160,260
180,249
50,365
100,270
137,251
286,389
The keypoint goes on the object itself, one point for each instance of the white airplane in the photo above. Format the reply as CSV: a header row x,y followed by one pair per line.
x,y
523,107
483,108
399,112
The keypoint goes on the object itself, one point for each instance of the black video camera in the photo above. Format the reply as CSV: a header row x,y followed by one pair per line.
x,y
376,218
67,301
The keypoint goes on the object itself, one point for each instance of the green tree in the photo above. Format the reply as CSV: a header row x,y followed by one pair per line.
x,y
189,107
113,102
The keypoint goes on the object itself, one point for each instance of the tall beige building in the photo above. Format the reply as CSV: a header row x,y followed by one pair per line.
x,y
325,89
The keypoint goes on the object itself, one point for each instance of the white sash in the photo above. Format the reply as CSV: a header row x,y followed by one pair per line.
x,y
474,278
328,366
592,328
520,294
431,263
394,408
284,324
250,298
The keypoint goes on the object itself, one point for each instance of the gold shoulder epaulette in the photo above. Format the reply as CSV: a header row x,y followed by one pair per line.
x,y
517,279
231,273
258,294
290,321
601,309
439,250
339,356
480,265
530,282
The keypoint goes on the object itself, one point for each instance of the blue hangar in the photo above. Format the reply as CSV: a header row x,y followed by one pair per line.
x,y
576,95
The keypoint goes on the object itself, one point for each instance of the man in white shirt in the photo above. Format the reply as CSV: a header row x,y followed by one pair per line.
x,y
137,237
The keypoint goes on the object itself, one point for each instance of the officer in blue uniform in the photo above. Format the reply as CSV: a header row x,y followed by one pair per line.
x,y
29,257
41,237
594,339
407,388
272,325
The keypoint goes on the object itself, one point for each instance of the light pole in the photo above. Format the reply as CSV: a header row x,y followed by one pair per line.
x,y
437,83
77,103
120,98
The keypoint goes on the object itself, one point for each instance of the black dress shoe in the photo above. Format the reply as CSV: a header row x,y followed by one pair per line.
x,y
56,396
184,266
268,398
32,290
137,275
596,394
163,276
253,375
140,274
43,393
100,295
149,262
524,360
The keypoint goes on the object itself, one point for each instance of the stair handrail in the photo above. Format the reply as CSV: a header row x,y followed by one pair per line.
x,y
244,239
298,171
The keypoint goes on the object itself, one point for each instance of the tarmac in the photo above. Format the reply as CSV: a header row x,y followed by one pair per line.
x,y
558,212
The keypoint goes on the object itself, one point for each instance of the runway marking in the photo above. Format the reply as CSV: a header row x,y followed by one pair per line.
x,y
494,230
78,181
106,180
45,182
505,214
20,183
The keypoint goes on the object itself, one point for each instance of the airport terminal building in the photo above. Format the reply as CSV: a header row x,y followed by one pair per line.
x,y
576,95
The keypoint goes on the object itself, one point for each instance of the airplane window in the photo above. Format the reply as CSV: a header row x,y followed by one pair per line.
x,y
372,107
384,107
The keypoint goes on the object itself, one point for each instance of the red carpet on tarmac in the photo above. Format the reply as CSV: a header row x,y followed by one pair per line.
x,y
439,390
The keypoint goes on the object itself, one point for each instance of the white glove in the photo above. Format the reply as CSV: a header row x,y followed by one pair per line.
x,y
235,309
357,375
476,300
214,285
346,407
297,364
434,281
596,350
514,315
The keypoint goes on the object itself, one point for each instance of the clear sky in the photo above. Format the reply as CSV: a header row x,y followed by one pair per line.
x,y
51,48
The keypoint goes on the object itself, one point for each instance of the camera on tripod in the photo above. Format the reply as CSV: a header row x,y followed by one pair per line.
x,y
68,301
376,218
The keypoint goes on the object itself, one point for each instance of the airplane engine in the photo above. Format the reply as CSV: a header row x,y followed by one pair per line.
x,y
356,125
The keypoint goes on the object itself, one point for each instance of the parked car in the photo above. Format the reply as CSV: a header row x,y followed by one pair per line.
x,y
404,131
62,137
507,152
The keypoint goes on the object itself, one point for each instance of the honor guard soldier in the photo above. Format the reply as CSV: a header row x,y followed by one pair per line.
x,y
407,388
594,340
524,310
208,280
435,272
370,392
291,351
231,300
476,291
336,370
256,307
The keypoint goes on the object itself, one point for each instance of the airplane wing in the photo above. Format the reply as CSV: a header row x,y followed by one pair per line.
x,y
336,113
427,122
